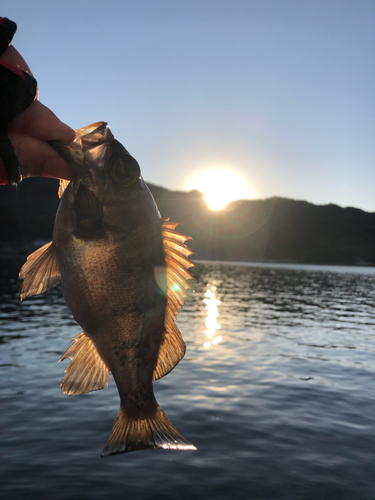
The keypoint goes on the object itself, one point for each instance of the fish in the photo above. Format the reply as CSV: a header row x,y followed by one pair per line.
x,y
124,276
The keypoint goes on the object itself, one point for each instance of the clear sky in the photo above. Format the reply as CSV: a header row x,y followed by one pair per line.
x,y
279,91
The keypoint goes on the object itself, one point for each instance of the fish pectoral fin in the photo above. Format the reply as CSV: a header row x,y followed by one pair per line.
x,y
172,348
131,433
89,214
40,272
87,371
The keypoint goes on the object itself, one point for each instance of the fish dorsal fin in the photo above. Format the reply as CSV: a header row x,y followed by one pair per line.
x,y
87,371
172,348
40,272
62,186
177,262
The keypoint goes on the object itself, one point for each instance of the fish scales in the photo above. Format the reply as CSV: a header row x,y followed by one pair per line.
x,y
109,253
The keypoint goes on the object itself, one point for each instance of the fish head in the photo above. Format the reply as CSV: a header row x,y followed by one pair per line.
x,y
107,187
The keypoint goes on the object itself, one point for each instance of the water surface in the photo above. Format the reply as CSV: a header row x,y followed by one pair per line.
x,y
276,391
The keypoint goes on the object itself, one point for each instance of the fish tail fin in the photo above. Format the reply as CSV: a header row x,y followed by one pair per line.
x,y
153,431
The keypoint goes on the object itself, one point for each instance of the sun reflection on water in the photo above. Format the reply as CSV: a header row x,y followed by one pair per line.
x,y
212,324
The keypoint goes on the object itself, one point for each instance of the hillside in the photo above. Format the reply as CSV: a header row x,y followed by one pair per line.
x,y
275,229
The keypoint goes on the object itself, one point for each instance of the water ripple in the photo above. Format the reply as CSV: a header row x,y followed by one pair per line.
x,y
276,390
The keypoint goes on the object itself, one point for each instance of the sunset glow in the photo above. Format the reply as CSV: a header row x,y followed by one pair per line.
x,y
221,186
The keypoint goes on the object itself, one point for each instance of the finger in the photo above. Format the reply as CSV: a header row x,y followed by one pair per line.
x,y
41,123
37,158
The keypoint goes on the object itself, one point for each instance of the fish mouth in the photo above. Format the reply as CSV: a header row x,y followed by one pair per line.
x,y
93,135
79,155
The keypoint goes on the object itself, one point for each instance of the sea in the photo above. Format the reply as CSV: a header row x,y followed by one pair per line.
x,y
277,392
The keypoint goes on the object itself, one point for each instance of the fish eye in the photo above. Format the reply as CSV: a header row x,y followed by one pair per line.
x,y
124,169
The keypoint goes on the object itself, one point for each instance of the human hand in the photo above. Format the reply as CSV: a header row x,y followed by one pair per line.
x,y
30,130
28,134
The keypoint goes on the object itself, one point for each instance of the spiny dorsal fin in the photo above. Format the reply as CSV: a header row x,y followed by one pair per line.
x,y
172,348
177,262
87,371
40,272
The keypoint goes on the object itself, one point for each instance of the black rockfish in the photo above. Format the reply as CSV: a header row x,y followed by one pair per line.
x,y
124,276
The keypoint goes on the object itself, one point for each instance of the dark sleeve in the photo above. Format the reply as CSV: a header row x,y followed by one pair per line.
x,y
7,31
17,91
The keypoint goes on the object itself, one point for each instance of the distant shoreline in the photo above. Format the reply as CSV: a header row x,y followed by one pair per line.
x,y
268,263
336,268
272,231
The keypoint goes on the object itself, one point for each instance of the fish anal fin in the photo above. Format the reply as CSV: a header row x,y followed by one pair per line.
x,y
172,348
40,272
131,433
87,371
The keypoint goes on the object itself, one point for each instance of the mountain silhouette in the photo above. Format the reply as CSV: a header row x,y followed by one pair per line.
x,y
274,229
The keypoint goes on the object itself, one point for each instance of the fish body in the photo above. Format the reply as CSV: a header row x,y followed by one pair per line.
x,y
110,251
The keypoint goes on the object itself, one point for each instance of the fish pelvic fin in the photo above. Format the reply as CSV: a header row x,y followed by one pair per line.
x,y
152,431
87,371
172,348
40,272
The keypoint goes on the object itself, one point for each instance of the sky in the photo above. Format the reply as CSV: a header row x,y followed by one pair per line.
x,y
279,92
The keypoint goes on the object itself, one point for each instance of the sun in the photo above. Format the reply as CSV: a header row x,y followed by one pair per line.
x,y
220,186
